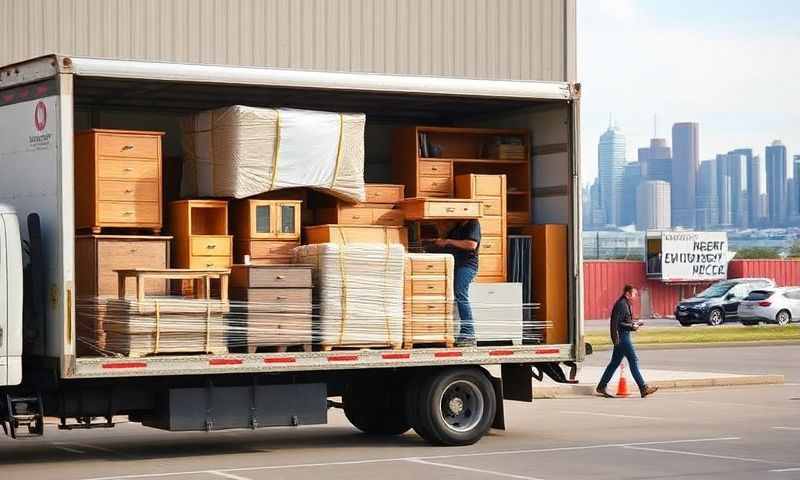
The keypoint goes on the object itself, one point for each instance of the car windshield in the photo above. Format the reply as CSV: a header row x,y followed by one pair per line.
x,y
716,290
759,295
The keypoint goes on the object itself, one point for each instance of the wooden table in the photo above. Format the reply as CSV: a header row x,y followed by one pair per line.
x,y
201,278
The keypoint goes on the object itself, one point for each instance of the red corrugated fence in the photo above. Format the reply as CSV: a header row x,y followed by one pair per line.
x,y
603,281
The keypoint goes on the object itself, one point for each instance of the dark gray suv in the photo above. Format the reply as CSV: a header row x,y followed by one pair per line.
x,y
718,303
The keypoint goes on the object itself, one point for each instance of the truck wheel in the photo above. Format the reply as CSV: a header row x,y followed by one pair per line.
x,y
715,317
452,406
376,408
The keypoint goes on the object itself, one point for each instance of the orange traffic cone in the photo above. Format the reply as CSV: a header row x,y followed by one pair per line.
x,y
622,386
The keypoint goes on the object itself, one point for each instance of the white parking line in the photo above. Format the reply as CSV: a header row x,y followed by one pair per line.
x,y
67,449
709,455
84,445
786,428
636,417
476,470
227,475
793,469
401,459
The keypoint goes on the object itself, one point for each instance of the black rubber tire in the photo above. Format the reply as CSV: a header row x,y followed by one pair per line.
x,y
686,324
749,323
376,408
788,318
711,313
427,416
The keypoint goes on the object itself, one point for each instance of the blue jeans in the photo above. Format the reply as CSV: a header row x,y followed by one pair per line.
x,y
463,277
623,349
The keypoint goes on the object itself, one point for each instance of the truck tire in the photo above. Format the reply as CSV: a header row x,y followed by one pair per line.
x,y
375,407
452,406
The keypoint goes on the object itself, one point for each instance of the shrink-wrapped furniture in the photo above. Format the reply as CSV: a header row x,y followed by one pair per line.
x,y
241,151
497,312
358,293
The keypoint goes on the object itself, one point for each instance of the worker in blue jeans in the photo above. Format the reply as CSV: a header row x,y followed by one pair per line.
x,y
462,241
622,325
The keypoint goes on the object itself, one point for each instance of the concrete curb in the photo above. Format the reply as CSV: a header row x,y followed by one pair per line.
x,y
580,390
672,346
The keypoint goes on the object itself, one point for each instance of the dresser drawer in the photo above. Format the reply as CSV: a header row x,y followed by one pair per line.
x,y
388,216
128,169
490,265
429,307
253,276
435,184
355,216
128,212
428,267
491,185
491,225
428,287
384,193
429,327
491,245
129,146
517,218
492,206
126,254
119,190
275,299
464,209
268,248
431,168
210,246
203,262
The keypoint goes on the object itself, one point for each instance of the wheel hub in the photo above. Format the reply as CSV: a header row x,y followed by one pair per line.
x,y
456,405
462,405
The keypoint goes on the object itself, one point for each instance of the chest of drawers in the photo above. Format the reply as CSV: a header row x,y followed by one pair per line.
x,y
428,300
379,209
440,208
491,191
271,307
118,180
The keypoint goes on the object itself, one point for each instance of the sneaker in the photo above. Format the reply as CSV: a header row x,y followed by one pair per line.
x,y
648,390
466,342
602,392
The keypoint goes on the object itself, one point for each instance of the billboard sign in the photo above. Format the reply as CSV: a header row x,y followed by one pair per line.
x,y
694,256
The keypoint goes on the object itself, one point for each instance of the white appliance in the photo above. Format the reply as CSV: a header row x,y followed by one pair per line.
x,y
10,298
496,311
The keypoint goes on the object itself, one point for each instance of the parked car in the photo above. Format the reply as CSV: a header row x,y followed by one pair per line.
x,y
773,305
718,303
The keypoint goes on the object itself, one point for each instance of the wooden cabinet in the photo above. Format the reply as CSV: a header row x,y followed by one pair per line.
x,y
266,230
379,209
201,235
345,234
440,209
491,191
549,282
428,159
118,180
384,193
272,307
428,300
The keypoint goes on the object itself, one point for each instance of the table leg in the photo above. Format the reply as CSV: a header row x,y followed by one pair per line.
x,y
121,285
223,287
208,287
139,289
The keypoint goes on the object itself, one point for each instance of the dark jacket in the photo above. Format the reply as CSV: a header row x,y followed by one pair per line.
x,y
621,319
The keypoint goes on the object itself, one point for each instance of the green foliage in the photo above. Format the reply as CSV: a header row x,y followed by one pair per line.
x,y
794,250
757,252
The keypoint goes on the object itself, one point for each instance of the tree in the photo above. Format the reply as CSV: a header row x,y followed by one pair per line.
x,y
757,252
794,250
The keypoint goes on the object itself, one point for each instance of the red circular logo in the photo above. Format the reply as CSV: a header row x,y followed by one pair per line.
x,y
40,116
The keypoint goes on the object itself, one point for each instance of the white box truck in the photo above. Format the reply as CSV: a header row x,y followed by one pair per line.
x,y
446,395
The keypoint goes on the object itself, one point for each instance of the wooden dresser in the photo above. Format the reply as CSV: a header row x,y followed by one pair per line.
x,y
419,208
549,280
428,300
271,307
118,180
491,191
200,228
428,159
379,209
345,234
266,230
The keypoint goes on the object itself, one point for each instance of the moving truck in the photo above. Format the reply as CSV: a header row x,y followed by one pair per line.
x,y
447,395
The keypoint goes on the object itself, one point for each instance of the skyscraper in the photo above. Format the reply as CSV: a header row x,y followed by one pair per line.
x,y
653,205
753,184
656,160
776,182
724,187
795,192
736,170
707,201
685,160
631,177
611,160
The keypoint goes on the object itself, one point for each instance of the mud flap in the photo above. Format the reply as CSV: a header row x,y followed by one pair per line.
x,y
499,415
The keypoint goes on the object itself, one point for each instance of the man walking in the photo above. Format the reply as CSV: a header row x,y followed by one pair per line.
x,y
622,324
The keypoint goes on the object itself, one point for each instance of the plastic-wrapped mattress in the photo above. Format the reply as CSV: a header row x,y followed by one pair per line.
x,y
358,293
241,151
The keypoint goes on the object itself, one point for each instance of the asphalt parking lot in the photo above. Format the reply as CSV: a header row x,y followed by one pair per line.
x,y
731,433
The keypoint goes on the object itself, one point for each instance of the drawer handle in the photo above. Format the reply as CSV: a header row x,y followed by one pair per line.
x,y
466,209
356,217
450,209
279,277
211,247
487,245
281,298
128,190
434,169
127,213
127,169
431,306
127,147
209,265
133,250
429,266
430,287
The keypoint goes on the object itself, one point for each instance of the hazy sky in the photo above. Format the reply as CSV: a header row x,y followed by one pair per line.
x,y
732,65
